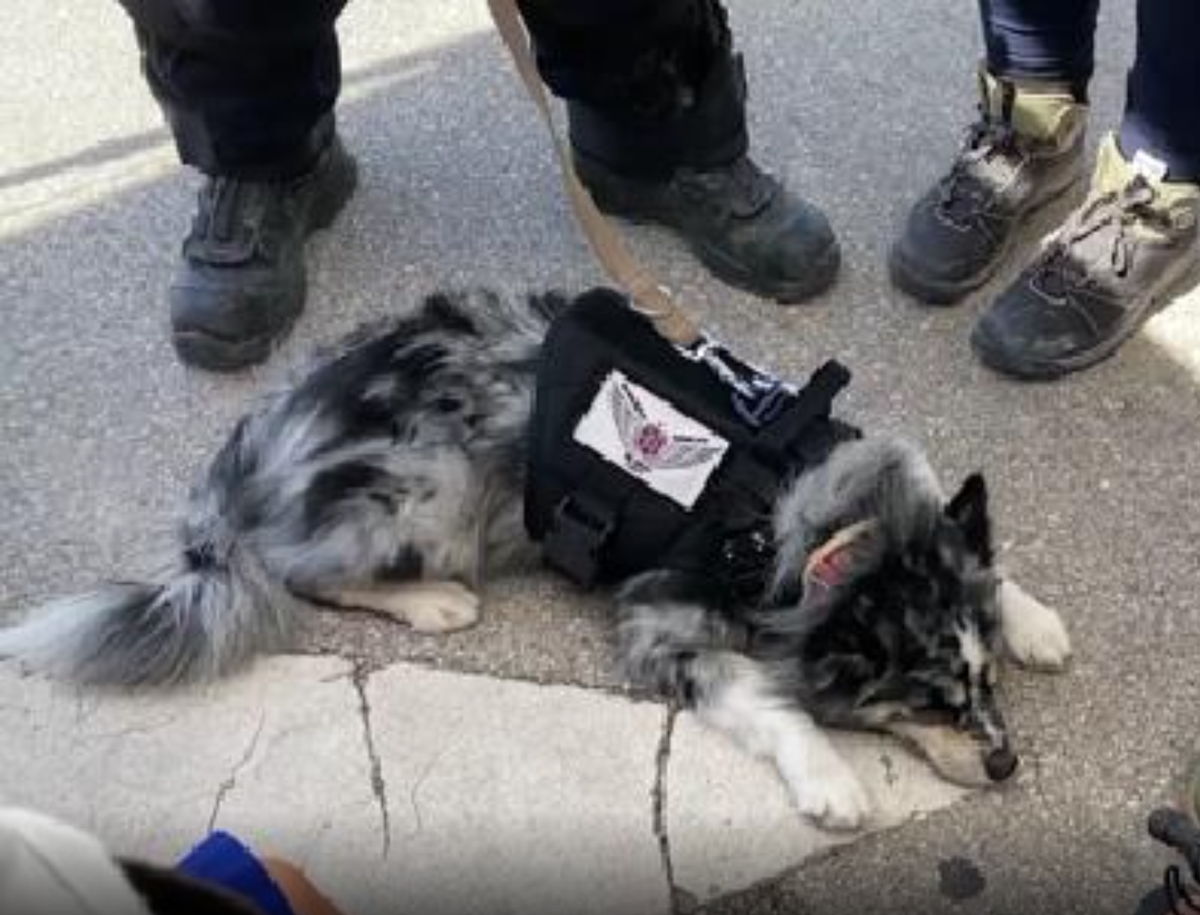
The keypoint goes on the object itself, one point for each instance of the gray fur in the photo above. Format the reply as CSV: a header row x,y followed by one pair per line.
x,y
197,626
397,456
885,478
911,628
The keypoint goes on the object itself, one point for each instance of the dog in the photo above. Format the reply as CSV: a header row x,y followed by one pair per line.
x,y
390,478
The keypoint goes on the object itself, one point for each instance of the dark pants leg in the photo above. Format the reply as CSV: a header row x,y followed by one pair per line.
x,y
247,87
1040,39
1162,103
651,85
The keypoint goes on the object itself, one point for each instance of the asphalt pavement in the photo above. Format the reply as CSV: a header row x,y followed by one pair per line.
x,y
857,106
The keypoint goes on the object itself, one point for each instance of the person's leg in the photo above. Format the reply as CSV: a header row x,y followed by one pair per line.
x,y
656,104
1133,241
1025,149
650,86
248,90
1036,40
1162,104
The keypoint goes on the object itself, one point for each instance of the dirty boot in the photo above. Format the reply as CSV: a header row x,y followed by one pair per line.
x,y
738,220
1025,149
1099,277
241,281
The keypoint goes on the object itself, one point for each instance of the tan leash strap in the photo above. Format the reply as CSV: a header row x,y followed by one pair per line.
x,y
649,297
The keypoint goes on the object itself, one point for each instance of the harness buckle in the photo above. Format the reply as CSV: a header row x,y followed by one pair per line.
x,y
576,536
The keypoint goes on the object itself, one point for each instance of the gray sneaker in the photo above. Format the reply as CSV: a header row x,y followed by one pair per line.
x,y
1114,261
1025,150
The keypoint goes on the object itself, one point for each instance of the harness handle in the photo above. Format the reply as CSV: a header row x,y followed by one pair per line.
x,y
648,296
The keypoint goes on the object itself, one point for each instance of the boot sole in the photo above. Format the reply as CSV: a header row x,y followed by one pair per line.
x,y
942,293
214,353
998,360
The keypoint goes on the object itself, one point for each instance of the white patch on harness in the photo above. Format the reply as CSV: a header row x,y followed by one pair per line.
x,y
649,438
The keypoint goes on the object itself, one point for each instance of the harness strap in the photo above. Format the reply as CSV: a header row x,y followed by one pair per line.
x,y
575,540
789,434
649,297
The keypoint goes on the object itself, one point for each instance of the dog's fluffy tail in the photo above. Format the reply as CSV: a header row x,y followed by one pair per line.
x,y
199,624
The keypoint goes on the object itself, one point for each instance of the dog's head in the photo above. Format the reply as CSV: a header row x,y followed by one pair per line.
x,y
895,624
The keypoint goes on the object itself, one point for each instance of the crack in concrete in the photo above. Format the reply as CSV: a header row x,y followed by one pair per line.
x,y
681,901
359,676
231,780
465,668
418,784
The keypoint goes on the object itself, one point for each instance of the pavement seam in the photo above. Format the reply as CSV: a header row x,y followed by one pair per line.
x,y
231,780
359,676
632,696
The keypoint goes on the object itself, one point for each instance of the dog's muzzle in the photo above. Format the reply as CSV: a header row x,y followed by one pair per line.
x,y
1000,761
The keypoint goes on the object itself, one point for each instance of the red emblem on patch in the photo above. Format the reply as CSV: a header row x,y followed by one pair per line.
x,y
651,440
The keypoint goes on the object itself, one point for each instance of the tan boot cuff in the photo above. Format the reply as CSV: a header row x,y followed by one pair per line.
x,y
1046,112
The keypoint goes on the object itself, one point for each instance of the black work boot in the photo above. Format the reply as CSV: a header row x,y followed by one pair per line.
x,y
1099,277
739,221
1025,149
241,281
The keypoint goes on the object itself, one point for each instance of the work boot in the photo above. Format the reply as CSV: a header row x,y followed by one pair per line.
x,y
1099,277
1025,150
241,281
739,221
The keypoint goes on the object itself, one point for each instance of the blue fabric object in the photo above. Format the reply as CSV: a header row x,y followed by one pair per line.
x,y
1162,100
1036,39
224,861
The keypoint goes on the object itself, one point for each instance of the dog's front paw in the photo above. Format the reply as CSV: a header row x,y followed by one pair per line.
x,y
442,607
1036,635
833,798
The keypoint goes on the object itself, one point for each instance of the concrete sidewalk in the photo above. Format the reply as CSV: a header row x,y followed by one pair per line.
x,y
859,106
408,790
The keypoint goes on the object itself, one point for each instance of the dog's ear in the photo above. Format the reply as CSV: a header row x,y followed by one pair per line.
x,y
969,510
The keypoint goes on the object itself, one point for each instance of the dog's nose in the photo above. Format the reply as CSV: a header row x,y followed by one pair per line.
x,y
1001,764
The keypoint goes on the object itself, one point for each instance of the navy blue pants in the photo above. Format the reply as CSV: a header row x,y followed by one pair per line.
x,y
1055,39
249,88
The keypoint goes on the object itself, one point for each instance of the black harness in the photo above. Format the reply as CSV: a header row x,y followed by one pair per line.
x,y
644,455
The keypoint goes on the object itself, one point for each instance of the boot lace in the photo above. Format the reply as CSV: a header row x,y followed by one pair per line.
x,y
231,220
990,153
225,204
1059,269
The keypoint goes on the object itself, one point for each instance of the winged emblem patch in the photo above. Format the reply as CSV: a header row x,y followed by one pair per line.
x,y
650,444
649,437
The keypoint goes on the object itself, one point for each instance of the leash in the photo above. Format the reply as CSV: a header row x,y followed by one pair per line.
x,y
648,296
578,499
